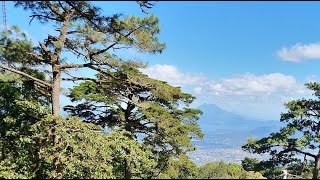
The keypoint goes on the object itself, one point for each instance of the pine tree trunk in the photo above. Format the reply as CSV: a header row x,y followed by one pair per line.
x,y
55,61
127,173
55,96
56,93
316,167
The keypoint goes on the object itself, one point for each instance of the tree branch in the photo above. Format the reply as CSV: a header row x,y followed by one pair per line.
x,y
85,79
101,71
115,43
40,82
39,15
73,32
299,151
53,9
41,91
80,130
67,66
37,56
89,65
62,6
124,47
45,49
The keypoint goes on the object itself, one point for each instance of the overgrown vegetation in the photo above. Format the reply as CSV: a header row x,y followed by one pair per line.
x,y
122,123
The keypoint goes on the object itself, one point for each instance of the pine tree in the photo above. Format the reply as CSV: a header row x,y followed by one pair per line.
x,y
149,111
300,136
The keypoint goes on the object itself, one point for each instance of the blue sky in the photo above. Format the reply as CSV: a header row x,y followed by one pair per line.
x,y
246,57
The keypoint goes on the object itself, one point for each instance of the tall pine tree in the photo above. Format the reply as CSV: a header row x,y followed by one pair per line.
x,y
147,110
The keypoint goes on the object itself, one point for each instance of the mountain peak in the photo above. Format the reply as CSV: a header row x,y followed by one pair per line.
x,y
207,105
214,118
210,107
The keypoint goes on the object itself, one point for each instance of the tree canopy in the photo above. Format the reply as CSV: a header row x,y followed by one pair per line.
x,y
149,111
90,36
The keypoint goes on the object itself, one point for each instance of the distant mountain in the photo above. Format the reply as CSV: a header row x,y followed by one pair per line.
x,y
215,119
225,133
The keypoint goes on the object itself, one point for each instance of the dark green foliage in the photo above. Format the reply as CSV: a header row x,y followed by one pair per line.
x,y
249,164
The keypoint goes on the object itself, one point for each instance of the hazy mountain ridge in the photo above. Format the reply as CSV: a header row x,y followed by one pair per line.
x,y
215,119
225,133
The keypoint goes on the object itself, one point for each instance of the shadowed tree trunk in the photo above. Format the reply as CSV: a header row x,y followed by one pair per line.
x,y
127,173
316,167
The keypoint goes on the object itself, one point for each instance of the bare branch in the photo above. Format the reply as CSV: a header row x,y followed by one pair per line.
x,y
299,151
68,66
41,91
31,20
80,130
40,82
85,79
39,15
124,47
89,65
73,32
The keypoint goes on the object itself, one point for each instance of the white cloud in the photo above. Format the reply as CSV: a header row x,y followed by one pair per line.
x,y
300,52
260,96
172,75
250,84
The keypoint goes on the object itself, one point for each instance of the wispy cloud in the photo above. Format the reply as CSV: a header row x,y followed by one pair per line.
x,y
250,84
300,52
172,75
